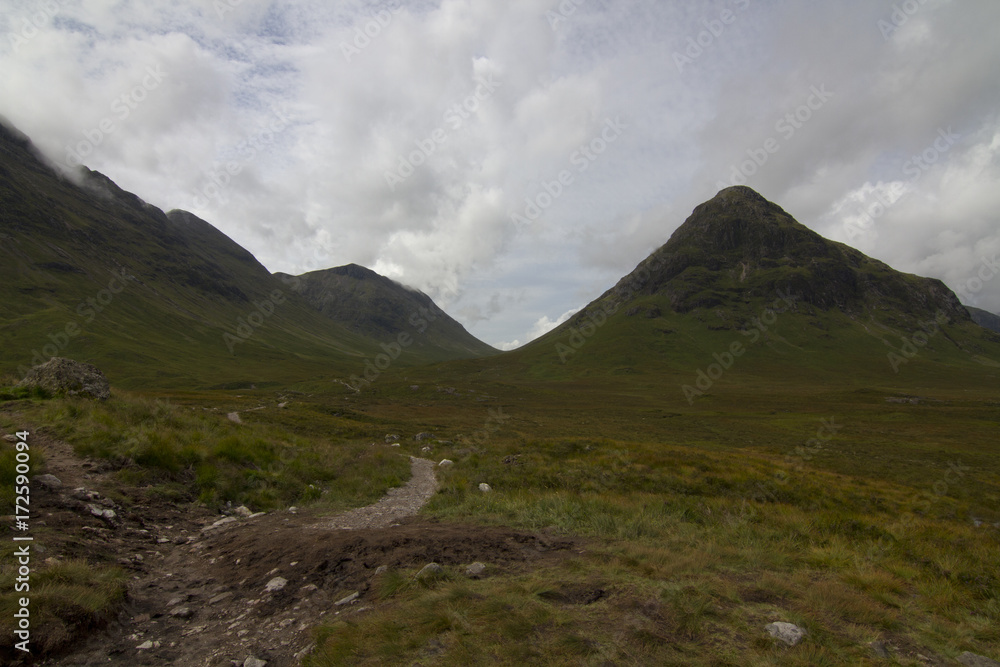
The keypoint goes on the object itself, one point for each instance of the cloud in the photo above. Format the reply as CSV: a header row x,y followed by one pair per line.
x,y
371,88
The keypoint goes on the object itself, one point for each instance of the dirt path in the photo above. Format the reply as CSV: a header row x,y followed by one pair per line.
x,y
398,503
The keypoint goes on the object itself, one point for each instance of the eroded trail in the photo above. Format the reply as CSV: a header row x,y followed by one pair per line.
x,y
398,503
248,590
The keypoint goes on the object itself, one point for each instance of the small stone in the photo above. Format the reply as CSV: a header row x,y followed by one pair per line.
x,y
275,585
485,488
445,463
348,600
789,633
106,514
430,571
50,482
182,613
475,570
974,660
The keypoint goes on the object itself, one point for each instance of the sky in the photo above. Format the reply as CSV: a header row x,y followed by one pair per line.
x,y
514,158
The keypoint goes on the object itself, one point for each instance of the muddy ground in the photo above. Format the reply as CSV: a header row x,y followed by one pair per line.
x,y
199,594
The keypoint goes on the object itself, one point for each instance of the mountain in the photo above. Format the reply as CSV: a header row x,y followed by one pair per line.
x,y
985,318
379,308
92,272
742,273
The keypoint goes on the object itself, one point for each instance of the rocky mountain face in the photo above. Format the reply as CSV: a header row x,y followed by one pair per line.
x,y
985,318
738,246
375,306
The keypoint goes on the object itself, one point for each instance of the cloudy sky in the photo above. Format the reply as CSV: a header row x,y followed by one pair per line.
x,y
514,158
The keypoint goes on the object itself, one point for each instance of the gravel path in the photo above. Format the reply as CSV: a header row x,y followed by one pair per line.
x,y
397,503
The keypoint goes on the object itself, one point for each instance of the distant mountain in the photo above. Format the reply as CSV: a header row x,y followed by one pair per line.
x,y
742,273
91,272
985,318
381,309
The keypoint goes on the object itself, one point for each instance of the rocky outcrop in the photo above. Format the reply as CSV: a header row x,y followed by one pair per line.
x,y
67,377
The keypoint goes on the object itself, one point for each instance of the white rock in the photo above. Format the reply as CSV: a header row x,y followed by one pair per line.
x,y
348,600
788,633
275,584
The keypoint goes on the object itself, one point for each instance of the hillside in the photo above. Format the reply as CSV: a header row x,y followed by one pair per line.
x,y
381,309
985,318
92,272
742,273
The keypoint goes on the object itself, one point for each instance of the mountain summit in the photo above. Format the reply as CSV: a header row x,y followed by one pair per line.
x,y
738,246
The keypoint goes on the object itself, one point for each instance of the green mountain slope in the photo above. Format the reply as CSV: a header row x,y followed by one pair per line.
x,y
741,291
381,309
155,299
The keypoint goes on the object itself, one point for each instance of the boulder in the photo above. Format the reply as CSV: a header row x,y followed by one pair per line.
x,y
787,633
72,378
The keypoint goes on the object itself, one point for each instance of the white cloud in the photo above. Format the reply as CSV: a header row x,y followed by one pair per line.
x,y
317,196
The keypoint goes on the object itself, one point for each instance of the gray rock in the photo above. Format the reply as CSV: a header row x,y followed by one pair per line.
x,y
476,570
83,493
789,633
348,600
50,482
974,660
102,513
65,376
182,612
430,571
254,662
275,585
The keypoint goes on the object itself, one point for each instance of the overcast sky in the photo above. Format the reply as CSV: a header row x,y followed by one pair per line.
x,y
410,137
